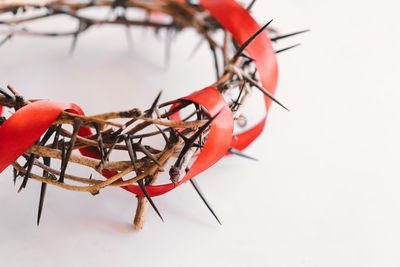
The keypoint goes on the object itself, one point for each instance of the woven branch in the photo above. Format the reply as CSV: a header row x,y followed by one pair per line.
x,y
129,134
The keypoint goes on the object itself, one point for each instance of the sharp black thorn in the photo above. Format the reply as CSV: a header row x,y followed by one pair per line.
x,y
196,48
43,189
198,145
251,5
173,134
63,148
245,44
189,142
287,48
131,153
216,65
28,172
144,190
56,136
198,111
8,37
236,103
77,125
198,190
169,145
240,154
150,111
82,26
100,141
15,173
46,136
254,83
107,155
73,44
185,139
288,35
246,56
147,153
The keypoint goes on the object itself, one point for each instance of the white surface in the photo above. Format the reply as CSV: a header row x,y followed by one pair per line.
x,y
324,193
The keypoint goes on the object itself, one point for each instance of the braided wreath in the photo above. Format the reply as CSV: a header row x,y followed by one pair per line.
x,y
207,134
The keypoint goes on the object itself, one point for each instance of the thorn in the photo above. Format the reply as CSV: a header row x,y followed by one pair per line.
x,y
189,142
251,5
288,35
28,172
198,145
56,136
63,149
185,139
169,145
240,154
196,48
15,173
147,153
43,189
107,155
287,48
216,65
248,57
245,44
173,135
236,103
73,44
77,125
8,37
198,190
150,111
144,190
82,27
254,83
46,136
100,141
131,153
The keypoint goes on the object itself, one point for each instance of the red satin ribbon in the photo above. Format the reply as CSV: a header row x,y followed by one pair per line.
x,y
238,21
26,126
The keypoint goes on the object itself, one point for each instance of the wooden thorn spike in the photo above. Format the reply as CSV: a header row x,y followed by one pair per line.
x,y
240,154
77,125
28,172
245,44
199,192
287,48
288,35
144,190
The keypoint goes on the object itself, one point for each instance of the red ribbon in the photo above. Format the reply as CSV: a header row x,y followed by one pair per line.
x,y
238,21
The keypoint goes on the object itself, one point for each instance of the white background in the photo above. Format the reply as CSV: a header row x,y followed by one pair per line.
x,y
325,191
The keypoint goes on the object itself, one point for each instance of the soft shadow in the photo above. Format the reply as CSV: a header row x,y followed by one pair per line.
x,y
107,225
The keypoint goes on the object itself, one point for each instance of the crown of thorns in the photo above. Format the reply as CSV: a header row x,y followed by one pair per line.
x,y
35,133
